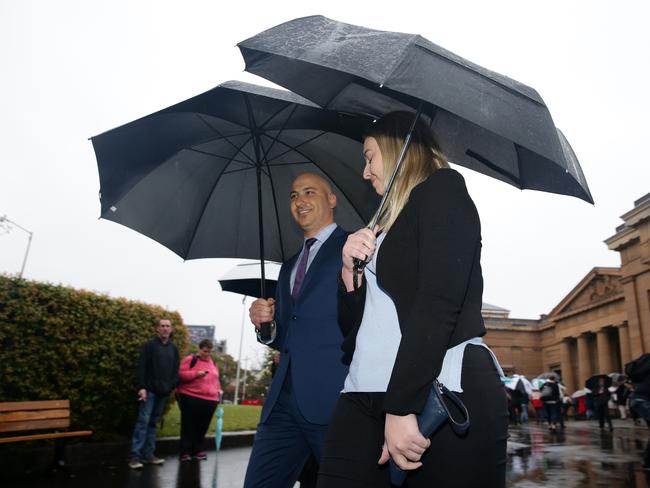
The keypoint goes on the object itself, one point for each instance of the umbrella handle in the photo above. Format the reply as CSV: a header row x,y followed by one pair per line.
x,y
265,331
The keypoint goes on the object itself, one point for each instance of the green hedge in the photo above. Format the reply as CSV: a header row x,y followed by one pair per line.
x,y
58,342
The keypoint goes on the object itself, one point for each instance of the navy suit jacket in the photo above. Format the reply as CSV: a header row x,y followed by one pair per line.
x,y
308,335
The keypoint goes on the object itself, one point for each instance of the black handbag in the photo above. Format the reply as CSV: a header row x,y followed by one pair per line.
x,y
433,415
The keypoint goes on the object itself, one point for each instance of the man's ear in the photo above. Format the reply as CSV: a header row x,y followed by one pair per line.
x,y
332,199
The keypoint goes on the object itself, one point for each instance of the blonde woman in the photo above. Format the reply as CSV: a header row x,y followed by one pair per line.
x,y
415,317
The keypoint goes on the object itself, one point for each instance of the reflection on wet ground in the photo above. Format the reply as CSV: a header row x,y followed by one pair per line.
x,y
225,470
579,457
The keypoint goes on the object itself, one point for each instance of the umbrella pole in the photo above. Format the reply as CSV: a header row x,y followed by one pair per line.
x,y
358,263
261,231
265,328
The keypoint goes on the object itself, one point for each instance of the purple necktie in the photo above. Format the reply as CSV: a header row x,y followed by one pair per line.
x,y
302,269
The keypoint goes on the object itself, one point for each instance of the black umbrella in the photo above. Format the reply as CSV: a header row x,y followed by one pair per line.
x,y
483,120
210,176
592,382
244,279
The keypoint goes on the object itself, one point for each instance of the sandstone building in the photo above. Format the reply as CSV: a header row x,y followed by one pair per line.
x,y
603,323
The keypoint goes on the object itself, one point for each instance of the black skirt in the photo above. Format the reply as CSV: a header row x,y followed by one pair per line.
x,y
476,460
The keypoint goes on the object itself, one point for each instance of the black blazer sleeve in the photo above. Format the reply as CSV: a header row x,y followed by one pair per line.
x,y
447,235
350,313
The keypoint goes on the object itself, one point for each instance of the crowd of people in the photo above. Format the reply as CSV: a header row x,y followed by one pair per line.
x,y
552,405
198,391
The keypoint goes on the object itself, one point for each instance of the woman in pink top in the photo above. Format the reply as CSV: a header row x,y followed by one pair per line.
x,y
198,393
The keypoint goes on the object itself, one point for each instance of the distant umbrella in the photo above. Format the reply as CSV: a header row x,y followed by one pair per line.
x,y
244,279
617,377
520,383
580,393
593,381
550,375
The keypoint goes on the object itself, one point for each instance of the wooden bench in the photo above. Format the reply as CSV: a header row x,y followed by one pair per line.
x,y
39,416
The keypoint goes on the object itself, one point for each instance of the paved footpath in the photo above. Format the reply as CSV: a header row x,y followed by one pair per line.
x,y
580,457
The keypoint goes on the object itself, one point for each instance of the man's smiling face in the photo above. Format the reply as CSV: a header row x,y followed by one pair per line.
x,y
312,203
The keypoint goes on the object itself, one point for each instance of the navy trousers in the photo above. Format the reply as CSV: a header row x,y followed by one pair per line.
x,y
283,443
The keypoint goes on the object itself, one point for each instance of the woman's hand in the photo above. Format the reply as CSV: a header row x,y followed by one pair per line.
x,y
403,442
359,245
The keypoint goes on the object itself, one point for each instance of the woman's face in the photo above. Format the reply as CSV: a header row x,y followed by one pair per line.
x,y
374,168
204,353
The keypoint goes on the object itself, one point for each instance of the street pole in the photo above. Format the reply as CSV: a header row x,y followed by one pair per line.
x,y
243,395
29,241
241,342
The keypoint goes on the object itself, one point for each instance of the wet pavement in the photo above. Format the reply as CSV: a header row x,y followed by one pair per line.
x,y
581,456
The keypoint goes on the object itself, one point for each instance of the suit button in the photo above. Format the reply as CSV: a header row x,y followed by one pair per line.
x,y
286,351
294,317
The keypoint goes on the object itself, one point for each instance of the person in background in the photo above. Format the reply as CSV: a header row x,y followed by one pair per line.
x,y
567,402
538,405
601,400
198,394
551,399
156,377
622,394
524,407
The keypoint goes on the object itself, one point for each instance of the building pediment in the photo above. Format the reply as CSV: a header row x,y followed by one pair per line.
x,y
599,285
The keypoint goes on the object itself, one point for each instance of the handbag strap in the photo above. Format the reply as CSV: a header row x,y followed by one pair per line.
x,y
460,428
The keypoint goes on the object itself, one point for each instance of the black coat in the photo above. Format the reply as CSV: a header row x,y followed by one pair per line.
x,y
157,369
429,264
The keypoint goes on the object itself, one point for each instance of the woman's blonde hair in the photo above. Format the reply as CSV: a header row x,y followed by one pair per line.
x,y
420,161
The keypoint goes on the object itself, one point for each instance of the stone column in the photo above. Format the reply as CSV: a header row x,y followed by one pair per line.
x,y
584,361
604,350
567,365
624,341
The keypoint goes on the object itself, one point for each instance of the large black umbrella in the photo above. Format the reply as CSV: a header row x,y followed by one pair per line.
x,y
202,176
483,120
593,381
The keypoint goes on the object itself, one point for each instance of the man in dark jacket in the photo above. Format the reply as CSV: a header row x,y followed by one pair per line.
x,y
156,377
638,371
601,403
305,330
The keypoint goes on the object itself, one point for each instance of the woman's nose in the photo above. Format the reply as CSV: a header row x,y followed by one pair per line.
x,y
366,171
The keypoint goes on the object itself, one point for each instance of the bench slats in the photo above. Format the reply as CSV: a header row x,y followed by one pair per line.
x,y
35,425
34,415
44,405
55,435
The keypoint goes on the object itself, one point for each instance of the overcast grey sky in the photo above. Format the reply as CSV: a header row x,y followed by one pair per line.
x,y
73,69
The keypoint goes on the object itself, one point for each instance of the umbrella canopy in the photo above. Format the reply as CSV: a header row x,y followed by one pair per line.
x,y
244,279
549,375
483,120
201,176
521,383
617,377
592,382
580,393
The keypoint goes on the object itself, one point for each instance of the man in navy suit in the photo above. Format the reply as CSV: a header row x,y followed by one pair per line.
x,y
305,330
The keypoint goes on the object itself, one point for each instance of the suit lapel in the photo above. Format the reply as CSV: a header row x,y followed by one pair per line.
x,y
285,285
